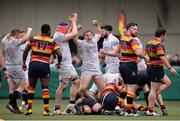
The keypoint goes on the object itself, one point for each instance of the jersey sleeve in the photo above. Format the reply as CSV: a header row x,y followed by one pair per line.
x,y
134,44
139,42
120,45
115,43
160,51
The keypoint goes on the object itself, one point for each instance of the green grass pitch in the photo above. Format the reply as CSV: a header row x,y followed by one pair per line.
x,y
172,106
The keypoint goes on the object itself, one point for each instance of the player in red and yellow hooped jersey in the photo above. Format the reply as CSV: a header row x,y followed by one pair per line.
x,y
155,50
128,52
157,59
42,47
127,46
110,96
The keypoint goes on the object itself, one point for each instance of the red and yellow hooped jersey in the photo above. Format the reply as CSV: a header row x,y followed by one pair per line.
x,y
154,49
127,46
42,48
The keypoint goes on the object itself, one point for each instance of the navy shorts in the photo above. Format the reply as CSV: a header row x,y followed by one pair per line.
x,y
156,73
110,101
39,70
128,72
143,78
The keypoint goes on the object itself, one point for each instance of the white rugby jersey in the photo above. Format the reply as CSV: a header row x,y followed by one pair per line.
x,y
112,63
59,38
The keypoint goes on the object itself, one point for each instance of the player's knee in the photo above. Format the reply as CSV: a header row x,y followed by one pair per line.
x,y
152,94
61,89
168,83
82,89
59,93
64,84
76,83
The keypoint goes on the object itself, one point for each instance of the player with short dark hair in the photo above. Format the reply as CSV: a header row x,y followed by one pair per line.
x,y
130,51
42,46
157,59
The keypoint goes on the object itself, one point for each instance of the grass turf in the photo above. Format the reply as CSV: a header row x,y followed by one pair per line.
x,y
172,106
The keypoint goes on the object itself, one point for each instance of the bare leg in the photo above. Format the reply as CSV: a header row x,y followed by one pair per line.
x,y
165,83
100,82
161,103
74,89
153,94
62,86
73,93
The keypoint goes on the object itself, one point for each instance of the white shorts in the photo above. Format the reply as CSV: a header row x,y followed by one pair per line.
x,y
16,73
91,73
112,78
67,72
113,69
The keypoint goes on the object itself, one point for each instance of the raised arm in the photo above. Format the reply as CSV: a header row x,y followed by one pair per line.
x,y
76,39
97,27
73,33
26,36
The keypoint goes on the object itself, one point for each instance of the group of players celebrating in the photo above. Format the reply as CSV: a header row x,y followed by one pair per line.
x,y
128,70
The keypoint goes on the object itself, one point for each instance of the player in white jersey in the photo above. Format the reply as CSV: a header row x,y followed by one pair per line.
x,y
13,60
110,43
67,70
90,62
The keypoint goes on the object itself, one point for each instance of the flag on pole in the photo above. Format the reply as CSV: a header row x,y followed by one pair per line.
x,y
122,23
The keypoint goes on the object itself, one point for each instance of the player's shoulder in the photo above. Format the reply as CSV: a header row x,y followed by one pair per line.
x,y
136,38
114,37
